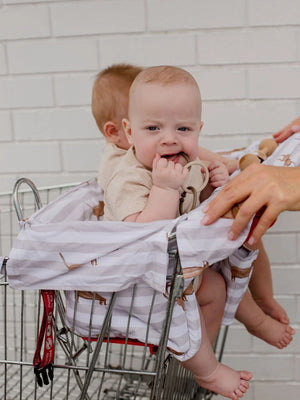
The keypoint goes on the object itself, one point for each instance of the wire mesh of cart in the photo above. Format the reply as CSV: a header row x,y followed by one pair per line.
x,y
84,367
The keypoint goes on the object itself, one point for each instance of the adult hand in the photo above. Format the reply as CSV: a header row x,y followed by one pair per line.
x,y
275,188
287,131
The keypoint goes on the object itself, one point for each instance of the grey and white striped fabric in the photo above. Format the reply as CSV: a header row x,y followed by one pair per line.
x,y
64,246
145,321
105,257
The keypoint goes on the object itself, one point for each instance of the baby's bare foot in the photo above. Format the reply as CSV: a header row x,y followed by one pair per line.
x,y
272,308
226,382
273,332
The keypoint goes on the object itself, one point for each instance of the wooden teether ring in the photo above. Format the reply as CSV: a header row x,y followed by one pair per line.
x,y
267,146
265,149
248,159
189,165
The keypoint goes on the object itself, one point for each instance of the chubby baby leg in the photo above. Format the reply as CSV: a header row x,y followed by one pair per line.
x,y
211,297
263,326
261,286
214,376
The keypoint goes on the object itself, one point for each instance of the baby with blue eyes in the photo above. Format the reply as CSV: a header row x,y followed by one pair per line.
x,y
163,128
142,172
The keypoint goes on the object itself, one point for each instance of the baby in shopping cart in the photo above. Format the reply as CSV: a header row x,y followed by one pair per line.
x,y
269,320
110,106
163,127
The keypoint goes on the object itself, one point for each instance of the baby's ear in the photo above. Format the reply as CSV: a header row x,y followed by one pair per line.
x,y
111,131
127,130
201,126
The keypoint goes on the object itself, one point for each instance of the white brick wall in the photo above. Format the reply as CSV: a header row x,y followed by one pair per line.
x,y
261,82
55,124
51,55
23,22
273,12
149,49
26,92
97,17
249,46
174,15
245,54
3,68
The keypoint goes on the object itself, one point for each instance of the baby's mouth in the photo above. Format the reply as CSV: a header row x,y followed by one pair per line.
x,y
176,156
172,157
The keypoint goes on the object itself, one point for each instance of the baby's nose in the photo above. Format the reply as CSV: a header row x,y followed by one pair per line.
x,y
169,137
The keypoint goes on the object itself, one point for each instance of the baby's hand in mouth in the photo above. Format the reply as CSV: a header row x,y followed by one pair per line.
x,y
168,174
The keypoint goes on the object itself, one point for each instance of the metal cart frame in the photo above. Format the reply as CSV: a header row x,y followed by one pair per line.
x,y
83,368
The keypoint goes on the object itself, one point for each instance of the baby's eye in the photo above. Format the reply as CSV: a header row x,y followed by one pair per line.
x,y
152,128
183,129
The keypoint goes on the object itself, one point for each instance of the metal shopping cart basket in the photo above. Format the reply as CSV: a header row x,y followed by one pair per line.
x,y
84,367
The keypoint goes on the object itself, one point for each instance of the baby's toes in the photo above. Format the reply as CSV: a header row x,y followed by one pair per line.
x,y
290,330
239,393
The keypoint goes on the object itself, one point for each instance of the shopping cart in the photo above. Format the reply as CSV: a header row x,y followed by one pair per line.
x,y
84,367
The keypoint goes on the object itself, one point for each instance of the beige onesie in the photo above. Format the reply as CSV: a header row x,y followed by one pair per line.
x,y
127,190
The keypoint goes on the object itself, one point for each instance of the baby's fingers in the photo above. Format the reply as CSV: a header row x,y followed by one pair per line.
x,y
155,161
181,169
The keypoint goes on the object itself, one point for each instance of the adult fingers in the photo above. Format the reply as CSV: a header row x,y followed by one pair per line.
x,y
246,211
278,135
265,221
231,194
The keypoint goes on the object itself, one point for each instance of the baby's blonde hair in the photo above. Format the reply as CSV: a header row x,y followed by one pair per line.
x,y
110,93
163,75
